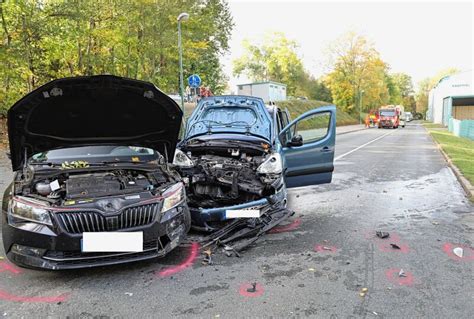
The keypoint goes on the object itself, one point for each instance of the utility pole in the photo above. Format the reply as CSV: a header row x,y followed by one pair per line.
x,y
182,17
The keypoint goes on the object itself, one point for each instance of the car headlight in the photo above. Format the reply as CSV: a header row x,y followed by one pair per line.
x,y
181,159
29,210
173,196
271,165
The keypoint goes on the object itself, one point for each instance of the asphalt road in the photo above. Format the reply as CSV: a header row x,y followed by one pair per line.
x,y
316,267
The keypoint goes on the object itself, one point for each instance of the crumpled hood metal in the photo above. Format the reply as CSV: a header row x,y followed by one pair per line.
x,y
238,108
104,109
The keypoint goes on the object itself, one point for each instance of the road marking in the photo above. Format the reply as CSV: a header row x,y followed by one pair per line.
x,y
363,145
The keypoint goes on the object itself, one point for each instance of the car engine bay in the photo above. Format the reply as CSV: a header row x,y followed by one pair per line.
x,y
227,178
60,186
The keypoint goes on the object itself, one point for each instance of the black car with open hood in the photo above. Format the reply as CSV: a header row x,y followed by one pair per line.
x,y
92,182
93,110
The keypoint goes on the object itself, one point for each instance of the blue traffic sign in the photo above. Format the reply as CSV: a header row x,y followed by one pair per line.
x,y
194,81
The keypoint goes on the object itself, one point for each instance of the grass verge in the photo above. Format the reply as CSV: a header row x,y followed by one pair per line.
x,y
459,149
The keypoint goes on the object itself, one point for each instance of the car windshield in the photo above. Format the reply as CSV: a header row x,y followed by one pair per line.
x,y
97,154
387,113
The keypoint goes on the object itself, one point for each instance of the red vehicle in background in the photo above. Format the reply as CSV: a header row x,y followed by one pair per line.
x,y
374,117
389,116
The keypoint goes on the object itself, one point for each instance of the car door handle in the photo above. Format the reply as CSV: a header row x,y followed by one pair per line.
x,y
325,149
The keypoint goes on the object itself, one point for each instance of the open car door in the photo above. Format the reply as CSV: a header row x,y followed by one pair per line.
x,y
308,145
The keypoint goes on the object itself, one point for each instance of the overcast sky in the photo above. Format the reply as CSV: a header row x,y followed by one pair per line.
x,y
418,38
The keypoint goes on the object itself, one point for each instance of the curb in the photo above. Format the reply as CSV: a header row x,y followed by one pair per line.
x,y
357,130
466,185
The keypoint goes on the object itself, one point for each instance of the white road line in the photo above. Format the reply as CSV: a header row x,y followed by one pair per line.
x,y
363,145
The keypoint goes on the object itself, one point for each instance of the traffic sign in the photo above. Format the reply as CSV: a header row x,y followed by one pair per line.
x,y
194,81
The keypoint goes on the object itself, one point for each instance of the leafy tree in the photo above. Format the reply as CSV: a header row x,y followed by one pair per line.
x,y
357,73
43,40
273,59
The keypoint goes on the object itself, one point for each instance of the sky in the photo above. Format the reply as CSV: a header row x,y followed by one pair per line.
x,y
417,38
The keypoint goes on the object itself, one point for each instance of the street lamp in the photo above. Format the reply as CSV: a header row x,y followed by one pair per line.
x,y
182,17
360,106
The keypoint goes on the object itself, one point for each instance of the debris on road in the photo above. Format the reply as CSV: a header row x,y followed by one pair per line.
x,y
243,232
253,288
363,292
326,248
395,246
458,251
207,257
311,269
401,273
129,294
382,234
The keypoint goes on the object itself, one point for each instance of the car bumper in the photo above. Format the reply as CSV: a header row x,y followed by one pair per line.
x,y
55,251
201,217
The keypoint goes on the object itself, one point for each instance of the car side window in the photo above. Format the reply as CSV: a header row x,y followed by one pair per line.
x,y
312,128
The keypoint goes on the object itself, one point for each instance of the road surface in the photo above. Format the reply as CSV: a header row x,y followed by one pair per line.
x,y
318,266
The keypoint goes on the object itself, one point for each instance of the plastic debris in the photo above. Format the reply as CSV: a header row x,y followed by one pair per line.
x,y
395,246
376,314
208,257
327,248
129,294
382,234
362,294
458,251
365,289
401,273
253,288
1,258
311,269
435,223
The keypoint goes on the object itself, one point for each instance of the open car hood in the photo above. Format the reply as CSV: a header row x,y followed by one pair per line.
x,y
104,109
230,114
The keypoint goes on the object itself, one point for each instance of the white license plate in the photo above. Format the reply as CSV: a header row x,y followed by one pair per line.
x,y
112,242
242,213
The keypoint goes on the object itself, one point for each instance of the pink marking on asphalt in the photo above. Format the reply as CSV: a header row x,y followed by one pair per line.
x,y
325,249
387,248
393,276
394,237
243,290
5,266
187,263
468,252
4,295
286,228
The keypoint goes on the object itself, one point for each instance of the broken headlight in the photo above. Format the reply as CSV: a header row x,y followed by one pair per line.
x,y
173,196
181,159
272,165
29,210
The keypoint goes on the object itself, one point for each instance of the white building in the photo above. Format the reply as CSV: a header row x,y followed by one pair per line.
x,y
449,95
451,103
268,91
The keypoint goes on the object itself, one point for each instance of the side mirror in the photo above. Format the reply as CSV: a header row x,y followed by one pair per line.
x,y
296,140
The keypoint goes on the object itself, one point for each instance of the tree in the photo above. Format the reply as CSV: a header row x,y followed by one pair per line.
x,y
274,58
44,40
357,72
425,86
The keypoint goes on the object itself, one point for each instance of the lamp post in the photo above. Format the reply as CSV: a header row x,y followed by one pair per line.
x,y
360,106
182,17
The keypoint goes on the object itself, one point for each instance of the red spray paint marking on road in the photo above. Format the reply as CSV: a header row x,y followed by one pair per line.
x,y
325,249
286,228
468,252
188,262
393,276
387,248
393,238
5,266
243,290
9,297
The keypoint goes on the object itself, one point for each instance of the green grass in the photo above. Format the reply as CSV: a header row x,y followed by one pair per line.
x,y
298,107
459,149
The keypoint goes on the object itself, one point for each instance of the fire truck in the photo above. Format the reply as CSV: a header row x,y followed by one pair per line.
x,y
391,116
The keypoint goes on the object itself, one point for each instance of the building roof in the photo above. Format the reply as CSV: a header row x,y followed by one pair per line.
x,y
264,82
